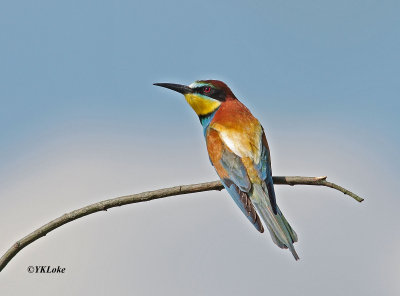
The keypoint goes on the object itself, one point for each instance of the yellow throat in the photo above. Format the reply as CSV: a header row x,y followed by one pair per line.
x,y
202,105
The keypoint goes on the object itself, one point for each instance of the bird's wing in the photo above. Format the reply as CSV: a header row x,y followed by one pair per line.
x,y
233,174
251,146
242,161
239,151
265,171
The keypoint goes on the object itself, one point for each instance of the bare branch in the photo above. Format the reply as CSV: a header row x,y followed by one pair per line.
x,y
319,181
150,195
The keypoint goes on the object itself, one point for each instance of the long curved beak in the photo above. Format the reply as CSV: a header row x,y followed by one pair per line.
x,y
183,89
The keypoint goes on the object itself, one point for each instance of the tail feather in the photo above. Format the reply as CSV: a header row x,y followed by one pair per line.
x,y
292,233
281,232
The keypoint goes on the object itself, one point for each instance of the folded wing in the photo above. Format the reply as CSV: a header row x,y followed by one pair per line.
x,y
249,181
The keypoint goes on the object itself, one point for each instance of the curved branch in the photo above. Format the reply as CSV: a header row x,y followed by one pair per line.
x,y
146,196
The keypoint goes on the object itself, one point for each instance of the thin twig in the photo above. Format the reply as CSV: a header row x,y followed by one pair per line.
x,y
146,196
319,181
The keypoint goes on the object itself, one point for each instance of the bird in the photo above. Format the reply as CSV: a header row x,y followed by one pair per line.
x,y
238,149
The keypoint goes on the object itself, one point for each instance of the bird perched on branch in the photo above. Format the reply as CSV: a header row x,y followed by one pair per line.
x,y
239,152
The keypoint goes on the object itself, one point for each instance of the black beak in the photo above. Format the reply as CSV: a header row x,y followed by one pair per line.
x,y
183,89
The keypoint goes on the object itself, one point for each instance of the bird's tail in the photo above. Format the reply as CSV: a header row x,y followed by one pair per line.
x,y
281,232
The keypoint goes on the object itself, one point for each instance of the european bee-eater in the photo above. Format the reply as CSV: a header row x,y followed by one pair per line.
x,y
239,152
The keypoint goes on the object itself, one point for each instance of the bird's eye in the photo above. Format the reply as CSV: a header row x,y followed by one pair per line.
x,y
207,89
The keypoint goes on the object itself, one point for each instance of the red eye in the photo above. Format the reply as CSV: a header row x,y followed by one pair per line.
x,y
207,89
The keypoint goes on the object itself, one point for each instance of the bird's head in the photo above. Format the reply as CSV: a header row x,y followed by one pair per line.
x,y
204,96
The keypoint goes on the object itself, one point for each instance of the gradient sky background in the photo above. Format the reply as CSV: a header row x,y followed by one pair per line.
x,y
80,122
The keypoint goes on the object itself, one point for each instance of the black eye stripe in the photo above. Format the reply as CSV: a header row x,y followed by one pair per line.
x,y
215,93
204,89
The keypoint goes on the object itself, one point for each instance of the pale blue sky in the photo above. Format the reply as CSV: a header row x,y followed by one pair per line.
x,y
81,121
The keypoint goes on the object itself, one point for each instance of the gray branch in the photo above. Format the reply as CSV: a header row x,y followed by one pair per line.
x,y
146,196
